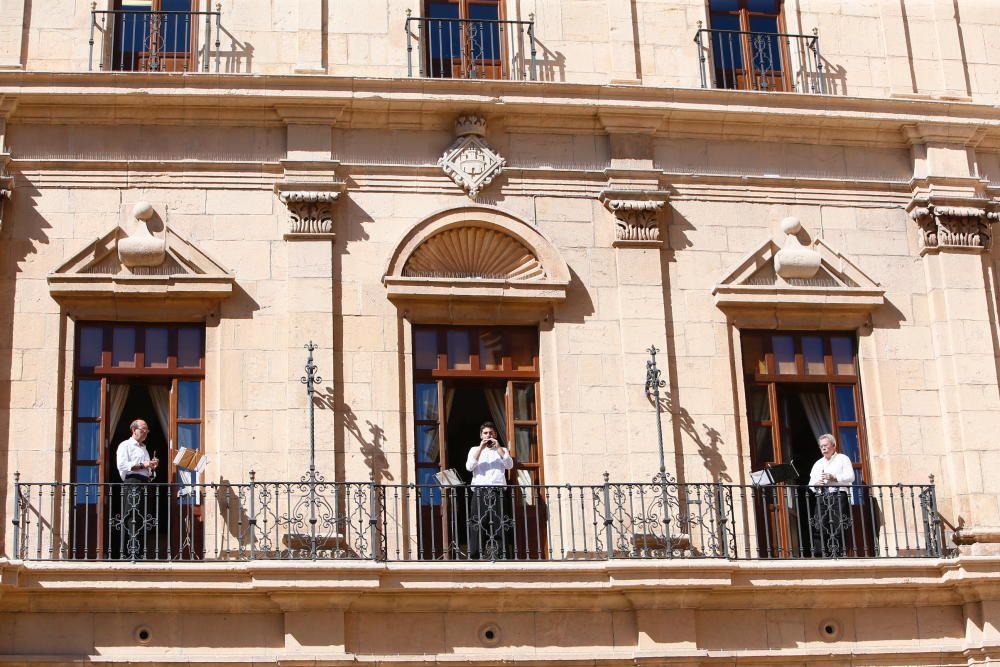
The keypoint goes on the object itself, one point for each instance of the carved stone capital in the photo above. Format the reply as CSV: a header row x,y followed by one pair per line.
x,y
635,213
310,208
958,228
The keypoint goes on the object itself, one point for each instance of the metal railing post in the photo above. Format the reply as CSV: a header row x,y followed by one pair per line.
x,y
218,35
252,520
93,27
409,46
372,519
208,41
819,62
608,520
17,514
701,56
531,41
723,518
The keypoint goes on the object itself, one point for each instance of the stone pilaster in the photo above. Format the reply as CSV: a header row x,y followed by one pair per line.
x,y
310,36
954,220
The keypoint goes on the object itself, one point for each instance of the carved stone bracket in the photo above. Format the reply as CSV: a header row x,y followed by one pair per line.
x,y
310,208
961,228
635,213
470,161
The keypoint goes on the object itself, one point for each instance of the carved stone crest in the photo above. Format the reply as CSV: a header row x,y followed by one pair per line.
x,y
635,216
953,227
470,161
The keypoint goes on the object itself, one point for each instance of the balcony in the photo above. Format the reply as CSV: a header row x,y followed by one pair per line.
x,y
462,48
142,40
760,61
316,520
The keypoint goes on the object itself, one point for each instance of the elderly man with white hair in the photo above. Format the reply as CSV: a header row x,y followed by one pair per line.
x,y
830,481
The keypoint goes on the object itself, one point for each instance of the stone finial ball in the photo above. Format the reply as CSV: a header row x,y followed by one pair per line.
x,y
142,210
791,225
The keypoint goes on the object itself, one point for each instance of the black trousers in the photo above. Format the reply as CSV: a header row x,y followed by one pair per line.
x,y
490,523
831,525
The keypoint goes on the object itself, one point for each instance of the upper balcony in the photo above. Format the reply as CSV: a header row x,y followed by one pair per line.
x,y
739,44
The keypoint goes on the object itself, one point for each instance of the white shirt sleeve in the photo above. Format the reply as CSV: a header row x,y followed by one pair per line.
x,y
816,472
471,461
508,462
124,464
842,469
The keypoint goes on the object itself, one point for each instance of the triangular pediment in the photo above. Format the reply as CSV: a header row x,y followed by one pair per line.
x,y
838,284
185,271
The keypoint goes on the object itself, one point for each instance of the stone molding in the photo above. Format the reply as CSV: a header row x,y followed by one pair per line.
x,y
636,223
185,273
310,208
471,162
953,228
539,274
836,293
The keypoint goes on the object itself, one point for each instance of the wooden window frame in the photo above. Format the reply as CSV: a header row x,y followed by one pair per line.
x,y
770,378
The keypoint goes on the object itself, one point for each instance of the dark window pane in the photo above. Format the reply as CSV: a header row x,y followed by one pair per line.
x,y
491,350
849,443
763,448
174,30
425,399
189,347
812,352
846,411
427,444
123,347
727,49
189,435
189,399
760,405
86,478
88,441
843,355
442,10
784,354
763,6
488,11
523,348
524,402
156,347
430,492
526,444
425,349
175,5
88,398
484,36
459,354
91,346
723,5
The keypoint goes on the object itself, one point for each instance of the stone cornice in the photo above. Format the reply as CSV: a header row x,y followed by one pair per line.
x,y
255,99
647,584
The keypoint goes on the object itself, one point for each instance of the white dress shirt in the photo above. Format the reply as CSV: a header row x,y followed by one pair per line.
x,y
491,468
132,453
837,465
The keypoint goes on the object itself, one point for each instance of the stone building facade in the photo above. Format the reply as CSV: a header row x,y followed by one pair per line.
x,y
493,210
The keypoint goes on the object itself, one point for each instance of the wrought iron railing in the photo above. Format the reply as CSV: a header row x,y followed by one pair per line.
x,y
139,40
366,521
452,48
764,61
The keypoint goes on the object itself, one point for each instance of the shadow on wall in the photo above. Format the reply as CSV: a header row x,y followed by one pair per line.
x,y
371,446
550,65
236,57
709,443
22,232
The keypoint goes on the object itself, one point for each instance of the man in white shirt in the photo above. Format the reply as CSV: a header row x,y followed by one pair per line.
x,y
830,481
489,515
136,469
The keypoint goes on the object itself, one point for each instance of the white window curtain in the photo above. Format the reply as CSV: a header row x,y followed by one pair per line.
x,y
817,408
496,398
117,395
